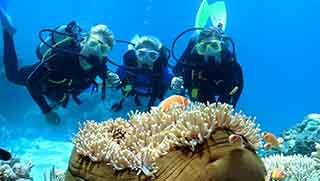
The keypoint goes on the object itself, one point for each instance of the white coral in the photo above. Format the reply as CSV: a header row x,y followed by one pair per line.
x,y
13,170
296,167
22,170
316,155
6,173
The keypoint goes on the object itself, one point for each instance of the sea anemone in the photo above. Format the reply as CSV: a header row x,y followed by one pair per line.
x,y
136,143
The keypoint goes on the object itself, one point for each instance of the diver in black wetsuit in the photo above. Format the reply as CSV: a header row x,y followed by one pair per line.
x,y
61,73
208,70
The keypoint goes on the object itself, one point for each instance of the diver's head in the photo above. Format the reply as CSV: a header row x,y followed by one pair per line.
x,y
96,46
209,43
147,50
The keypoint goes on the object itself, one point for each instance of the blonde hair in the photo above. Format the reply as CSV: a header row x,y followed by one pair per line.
x,y
104,32
146,40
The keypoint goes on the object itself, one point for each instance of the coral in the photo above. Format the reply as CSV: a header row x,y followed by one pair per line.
x,y
54,175
13,170
295,167
316,154
6,173
136,143
301,138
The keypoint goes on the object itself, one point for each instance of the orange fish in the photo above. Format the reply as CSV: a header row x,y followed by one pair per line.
x,y
278,174
271,141
173,100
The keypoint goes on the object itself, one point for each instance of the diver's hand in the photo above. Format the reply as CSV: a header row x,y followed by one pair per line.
x,y
52,117
6,22
177,85
113,79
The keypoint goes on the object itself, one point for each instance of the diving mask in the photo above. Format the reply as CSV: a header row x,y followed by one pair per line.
x,y
147,56
209,48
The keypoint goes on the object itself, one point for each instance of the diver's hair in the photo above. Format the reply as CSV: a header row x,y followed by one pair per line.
x,y
206,34
103,31
152,41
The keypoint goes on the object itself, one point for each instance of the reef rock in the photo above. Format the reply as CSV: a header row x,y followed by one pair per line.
x,y
14,170
302,138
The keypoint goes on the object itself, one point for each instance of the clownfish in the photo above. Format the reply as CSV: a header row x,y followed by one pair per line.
x,y
271,141
277,174
171,101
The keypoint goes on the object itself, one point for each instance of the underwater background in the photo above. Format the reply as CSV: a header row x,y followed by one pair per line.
x,y
276,41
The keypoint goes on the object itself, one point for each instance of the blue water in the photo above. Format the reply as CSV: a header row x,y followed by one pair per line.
x,y
3,4
277,46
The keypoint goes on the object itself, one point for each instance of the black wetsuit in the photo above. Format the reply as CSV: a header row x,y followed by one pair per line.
x,y
58,78
205,79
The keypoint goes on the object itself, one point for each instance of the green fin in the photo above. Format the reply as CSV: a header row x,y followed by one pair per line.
x,y
216,12
202,14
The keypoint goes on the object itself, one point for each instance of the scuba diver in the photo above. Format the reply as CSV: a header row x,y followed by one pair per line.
x,y
144,72
69,64
207,70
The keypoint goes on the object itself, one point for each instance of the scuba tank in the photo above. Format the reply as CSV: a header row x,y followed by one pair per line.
x,y
61,36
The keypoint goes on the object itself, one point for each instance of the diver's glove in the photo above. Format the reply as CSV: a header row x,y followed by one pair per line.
x,y
177,85
52,117
6,22
113,79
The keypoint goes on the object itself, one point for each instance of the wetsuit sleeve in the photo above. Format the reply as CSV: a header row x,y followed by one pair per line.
x,y
121,73
237,81
167,75
33,85
238,75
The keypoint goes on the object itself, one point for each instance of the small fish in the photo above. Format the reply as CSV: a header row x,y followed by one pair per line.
x,y
277,174
171,101
271,141
236,139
